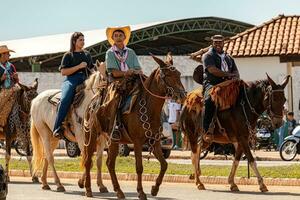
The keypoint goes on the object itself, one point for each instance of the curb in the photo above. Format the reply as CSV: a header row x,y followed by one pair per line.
x,y
170,178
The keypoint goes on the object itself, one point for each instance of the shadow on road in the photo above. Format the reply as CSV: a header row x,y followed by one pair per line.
x,y
112,195
258,193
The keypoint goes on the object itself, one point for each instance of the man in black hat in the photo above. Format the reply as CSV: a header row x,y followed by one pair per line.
x,y
218,67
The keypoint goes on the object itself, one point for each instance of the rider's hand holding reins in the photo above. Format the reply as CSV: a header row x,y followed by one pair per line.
x,y
3,77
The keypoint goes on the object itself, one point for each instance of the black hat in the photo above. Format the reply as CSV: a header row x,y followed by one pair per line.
x,y
217,38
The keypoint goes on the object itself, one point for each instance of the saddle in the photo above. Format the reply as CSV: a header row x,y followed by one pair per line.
x,y
8,98
79,96
225,94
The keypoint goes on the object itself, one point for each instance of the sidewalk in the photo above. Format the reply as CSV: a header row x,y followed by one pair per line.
x,y
260,155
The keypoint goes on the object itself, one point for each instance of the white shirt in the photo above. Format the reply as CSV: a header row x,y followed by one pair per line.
x,y
173,108
224,66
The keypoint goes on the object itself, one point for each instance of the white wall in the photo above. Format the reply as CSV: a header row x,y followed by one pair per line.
x,y
47,80
256,68
296,91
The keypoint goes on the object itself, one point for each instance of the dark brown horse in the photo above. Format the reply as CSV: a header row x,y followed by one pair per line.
x,y
142,125
239,122
18,125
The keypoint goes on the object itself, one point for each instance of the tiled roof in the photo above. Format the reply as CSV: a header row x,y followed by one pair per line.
x,y
277,37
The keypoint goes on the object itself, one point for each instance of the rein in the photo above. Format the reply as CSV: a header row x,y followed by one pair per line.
x,y
151,93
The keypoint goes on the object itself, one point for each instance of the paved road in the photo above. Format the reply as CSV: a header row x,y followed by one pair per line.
x,y
22,189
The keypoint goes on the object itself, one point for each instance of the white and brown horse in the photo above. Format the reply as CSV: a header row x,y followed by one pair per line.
x,y
43,115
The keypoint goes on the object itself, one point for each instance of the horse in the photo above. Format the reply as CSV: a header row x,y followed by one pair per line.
x,y
18,125
239,122
142,125
43,114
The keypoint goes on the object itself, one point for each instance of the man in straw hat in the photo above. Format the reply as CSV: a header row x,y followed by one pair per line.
x,y
121,63
218,67
8,79
8,71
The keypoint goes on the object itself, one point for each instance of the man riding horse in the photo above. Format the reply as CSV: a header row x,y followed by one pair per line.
x,y
218,67
121,63
9,78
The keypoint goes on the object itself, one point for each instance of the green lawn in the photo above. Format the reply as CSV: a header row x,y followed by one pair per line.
x,y
127,165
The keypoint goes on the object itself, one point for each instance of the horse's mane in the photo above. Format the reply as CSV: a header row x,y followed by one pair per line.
x,y
91,80
263,84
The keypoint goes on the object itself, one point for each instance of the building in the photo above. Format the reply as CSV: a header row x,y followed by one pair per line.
x,y
274,48
42,55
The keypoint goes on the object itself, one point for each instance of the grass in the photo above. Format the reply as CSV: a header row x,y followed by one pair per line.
x,y
127,165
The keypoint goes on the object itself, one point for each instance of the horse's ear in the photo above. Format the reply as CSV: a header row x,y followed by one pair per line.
x,y
160,62
35,83
285,81
272,83
169,59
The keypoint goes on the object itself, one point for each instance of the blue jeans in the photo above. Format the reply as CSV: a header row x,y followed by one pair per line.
x,y
68,91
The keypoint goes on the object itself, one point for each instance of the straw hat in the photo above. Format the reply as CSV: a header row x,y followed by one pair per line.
x,y
4,49
111,30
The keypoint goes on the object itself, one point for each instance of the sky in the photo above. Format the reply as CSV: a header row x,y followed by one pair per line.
x,y
30,18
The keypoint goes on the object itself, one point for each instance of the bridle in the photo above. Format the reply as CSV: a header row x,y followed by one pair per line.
x,y
270,93
169,90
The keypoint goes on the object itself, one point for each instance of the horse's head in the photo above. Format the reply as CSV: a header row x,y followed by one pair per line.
x,y
274,101
27,94
169,78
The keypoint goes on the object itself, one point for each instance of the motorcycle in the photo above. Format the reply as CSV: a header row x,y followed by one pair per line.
x,y
264,134
291,145
218,149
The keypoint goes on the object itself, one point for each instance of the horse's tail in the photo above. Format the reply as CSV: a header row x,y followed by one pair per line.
x,y
37,148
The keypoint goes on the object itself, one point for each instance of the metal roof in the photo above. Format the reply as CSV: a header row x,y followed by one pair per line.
x,y
178,36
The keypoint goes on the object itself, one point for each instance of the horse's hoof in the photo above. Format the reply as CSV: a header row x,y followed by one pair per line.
x,y
81,183
88,194
154,190
103,190
234,188
35,179
201,187
263,188
46,187
120,195
142,196
192,177
60,189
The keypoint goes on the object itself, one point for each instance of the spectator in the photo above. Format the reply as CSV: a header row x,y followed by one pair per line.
x,y
174,113
291,122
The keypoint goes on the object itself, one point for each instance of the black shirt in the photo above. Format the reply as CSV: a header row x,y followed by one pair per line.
x,y
211,58
71,59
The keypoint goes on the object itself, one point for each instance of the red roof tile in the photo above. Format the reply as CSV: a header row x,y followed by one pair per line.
x,y
279,36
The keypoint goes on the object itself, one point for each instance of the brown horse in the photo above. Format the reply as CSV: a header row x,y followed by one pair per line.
x,y
238,121
142,125
18,125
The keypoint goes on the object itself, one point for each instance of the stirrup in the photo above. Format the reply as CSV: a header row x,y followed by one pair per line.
x,y
208,137
59,133
115,135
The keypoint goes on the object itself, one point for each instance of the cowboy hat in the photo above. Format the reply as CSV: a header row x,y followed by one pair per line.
x,y
217,38
4,49
111,30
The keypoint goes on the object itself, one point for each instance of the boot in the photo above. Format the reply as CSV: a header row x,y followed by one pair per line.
x,y
58,133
